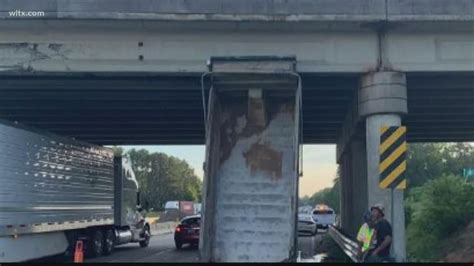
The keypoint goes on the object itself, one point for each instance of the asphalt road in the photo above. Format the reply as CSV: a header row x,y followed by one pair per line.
x,y
308,244
162,249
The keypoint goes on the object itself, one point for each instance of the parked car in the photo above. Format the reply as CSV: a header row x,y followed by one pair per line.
x,y
187,231
324,216
306,224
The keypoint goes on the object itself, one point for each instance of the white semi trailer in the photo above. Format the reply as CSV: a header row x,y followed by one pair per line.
x,y
55,191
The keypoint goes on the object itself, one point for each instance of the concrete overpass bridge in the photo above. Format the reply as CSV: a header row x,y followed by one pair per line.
x,y
129,72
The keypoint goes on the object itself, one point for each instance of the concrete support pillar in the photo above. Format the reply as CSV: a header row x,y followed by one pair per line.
x,y
353,186
359,184
345,177
382,99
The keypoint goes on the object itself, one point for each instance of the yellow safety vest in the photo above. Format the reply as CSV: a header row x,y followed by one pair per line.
x,y
365,236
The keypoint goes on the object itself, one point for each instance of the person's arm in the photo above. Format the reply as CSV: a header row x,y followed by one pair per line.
x,y
386,242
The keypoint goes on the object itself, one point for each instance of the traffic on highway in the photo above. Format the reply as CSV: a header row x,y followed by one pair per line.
x,y
174,244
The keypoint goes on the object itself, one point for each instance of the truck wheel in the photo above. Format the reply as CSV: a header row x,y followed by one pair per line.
x,y
179,245
109,241
96,244
147,235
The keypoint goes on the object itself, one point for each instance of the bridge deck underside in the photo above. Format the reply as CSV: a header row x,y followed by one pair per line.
x,y
169,110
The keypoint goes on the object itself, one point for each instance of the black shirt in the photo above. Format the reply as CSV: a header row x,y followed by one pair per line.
x,y
382,230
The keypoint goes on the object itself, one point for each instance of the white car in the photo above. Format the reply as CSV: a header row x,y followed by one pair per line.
x,y
324,216
306,224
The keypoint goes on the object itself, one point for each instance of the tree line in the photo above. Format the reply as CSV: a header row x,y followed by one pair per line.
x,y
162,178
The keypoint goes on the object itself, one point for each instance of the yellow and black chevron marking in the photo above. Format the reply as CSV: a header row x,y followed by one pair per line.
x,y
393,148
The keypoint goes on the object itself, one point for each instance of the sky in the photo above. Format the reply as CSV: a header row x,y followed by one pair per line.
x,y
319,163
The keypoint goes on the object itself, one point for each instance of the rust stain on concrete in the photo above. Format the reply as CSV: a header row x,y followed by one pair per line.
x,y
230,131
264,158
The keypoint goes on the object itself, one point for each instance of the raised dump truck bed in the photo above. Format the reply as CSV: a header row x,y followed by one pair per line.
x,y
251,180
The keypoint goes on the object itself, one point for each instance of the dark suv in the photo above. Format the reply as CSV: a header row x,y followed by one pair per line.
x,y
187,232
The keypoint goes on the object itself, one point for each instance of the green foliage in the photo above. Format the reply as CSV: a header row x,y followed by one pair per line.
x,y
458,156
164,178
437,209
437,202
427,161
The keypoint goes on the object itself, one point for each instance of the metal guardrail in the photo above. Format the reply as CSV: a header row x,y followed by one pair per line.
x,y
348,246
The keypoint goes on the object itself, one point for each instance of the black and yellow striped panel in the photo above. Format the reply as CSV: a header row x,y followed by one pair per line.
x,y
393,148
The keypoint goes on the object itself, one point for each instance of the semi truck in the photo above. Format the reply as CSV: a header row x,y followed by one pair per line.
x,y
56,191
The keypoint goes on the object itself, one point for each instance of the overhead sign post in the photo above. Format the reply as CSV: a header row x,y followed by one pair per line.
x,y
392,166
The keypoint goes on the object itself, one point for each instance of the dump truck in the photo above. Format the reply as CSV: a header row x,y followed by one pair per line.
x,y
252,168
56,191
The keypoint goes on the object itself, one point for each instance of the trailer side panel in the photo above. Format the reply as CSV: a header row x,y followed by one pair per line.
x,y
51,183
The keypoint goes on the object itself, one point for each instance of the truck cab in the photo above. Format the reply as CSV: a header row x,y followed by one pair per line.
x,y
130,224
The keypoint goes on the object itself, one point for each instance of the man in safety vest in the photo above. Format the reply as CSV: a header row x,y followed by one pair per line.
x,y
365,236
382,238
